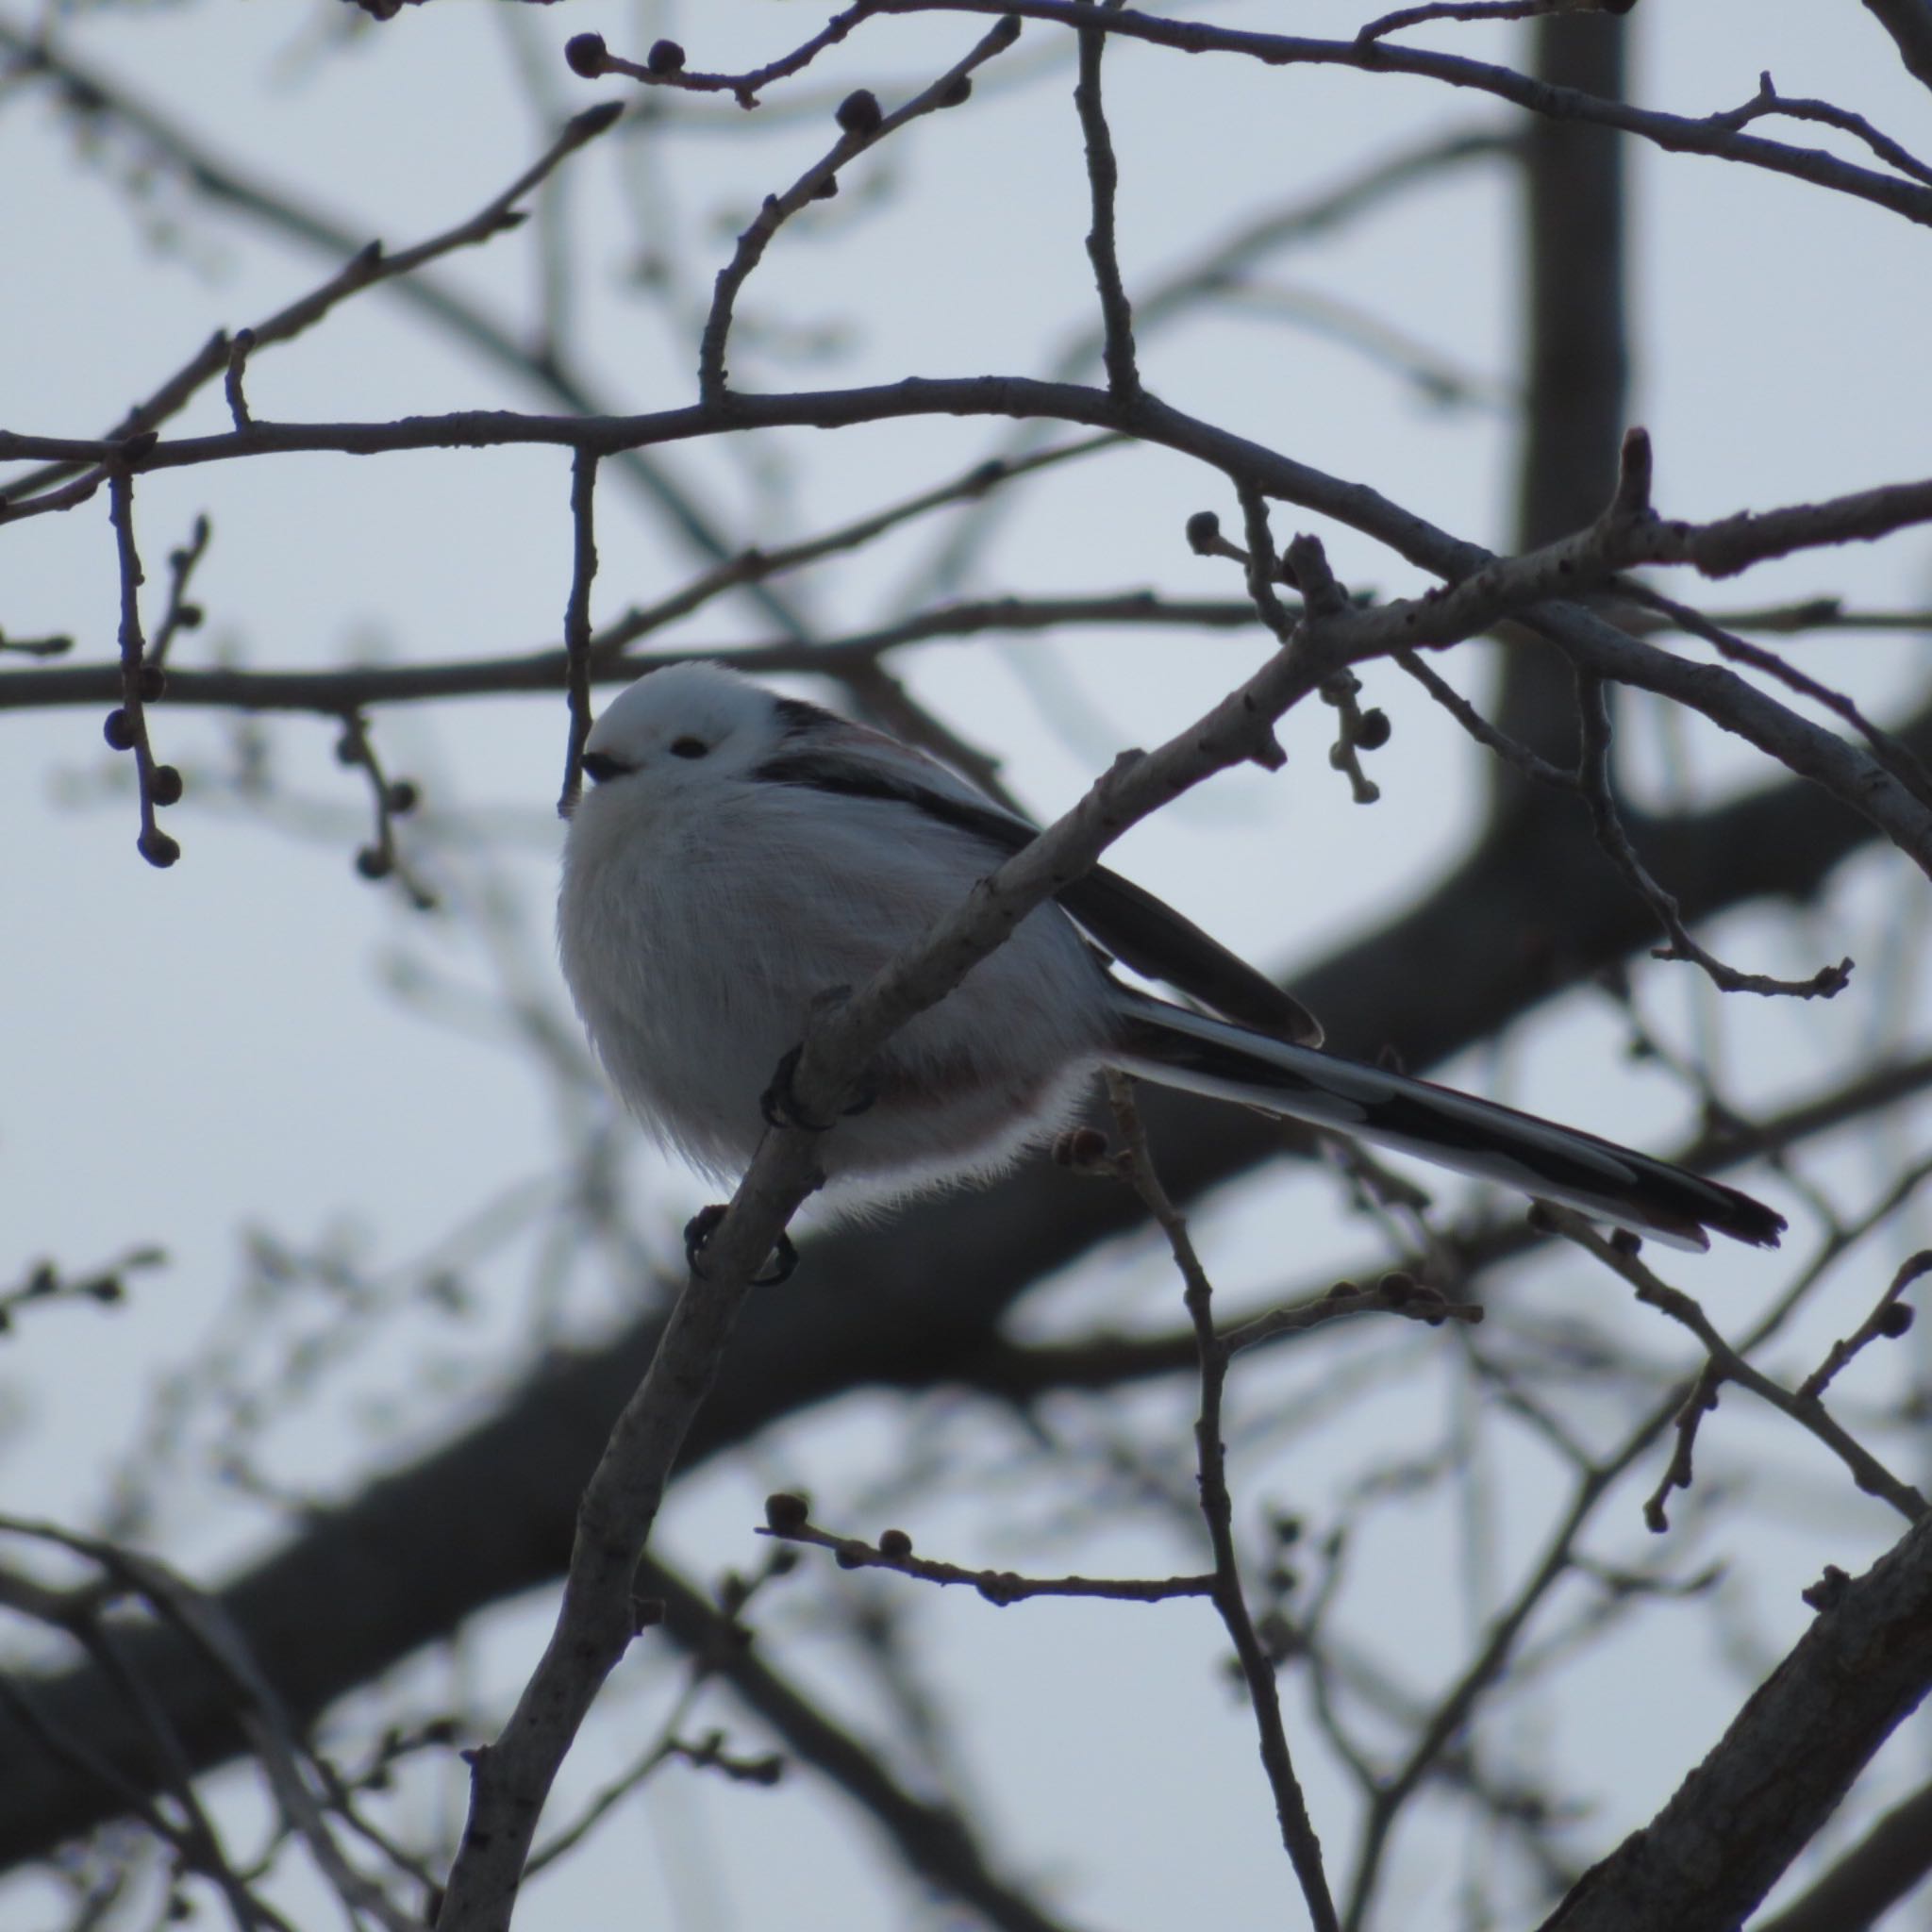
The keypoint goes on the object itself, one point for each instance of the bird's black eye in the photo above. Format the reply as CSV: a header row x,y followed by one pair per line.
x,y
600,765
688,747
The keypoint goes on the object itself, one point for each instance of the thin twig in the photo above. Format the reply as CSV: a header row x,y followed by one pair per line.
x,y
391,799
1675,133
127,727
1531,764
234,380
205,173
1395,1292
1257,1668
1820,614
44,1283
864,126
998,1587
1458,9
1890,1319
1871,1476
1680,1471
495,217
1593,780
758,564
589,58
223,356
1897,758
1769,101
577,624
1102,249
180,614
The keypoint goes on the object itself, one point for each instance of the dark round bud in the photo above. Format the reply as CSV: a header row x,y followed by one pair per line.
x,y
1894,1319
783,1562
734,1593
786,1513
1343,1290
1371,730
959,93
1626,1240
826,190
154,683
372,863
189,617
403,797
852,1554
1288,1529
1007,32
895,1542
107,1288
859,112
666,56
998,1587
157,848
117,728
164,785
348,749
1204,532
586,55
1397,1287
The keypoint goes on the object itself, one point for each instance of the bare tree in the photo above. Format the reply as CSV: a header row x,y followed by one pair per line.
x,y
1512,1516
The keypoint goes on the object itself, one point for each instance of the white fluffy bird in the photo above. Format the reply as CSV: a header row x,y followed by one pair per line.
x,y
741,855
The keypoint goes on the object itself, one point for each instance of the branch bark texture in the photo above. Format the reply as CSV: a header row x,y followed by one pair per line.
x,y
1739,1819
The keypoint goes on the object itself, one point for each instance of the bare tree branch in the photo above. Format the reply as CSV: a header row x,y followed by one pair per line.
x,y
1910,24
1781,1768
1674,133
1867,1881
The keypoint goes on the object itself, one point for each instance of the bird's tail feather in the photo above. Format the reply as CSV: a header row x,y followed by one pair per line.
x,y
1174,1047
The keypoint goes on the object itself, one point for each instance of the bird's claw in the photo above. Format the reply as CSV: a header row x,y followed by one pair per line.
x,y
779,1105
699,1229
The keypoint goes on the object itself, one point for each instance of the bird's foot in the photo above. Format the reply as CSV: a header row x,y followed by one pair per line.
x,y
780,1108
699,1229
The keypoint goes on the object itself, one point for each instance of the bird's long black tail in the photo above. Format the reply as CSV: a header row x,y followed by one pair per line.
x,y
1174,1047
